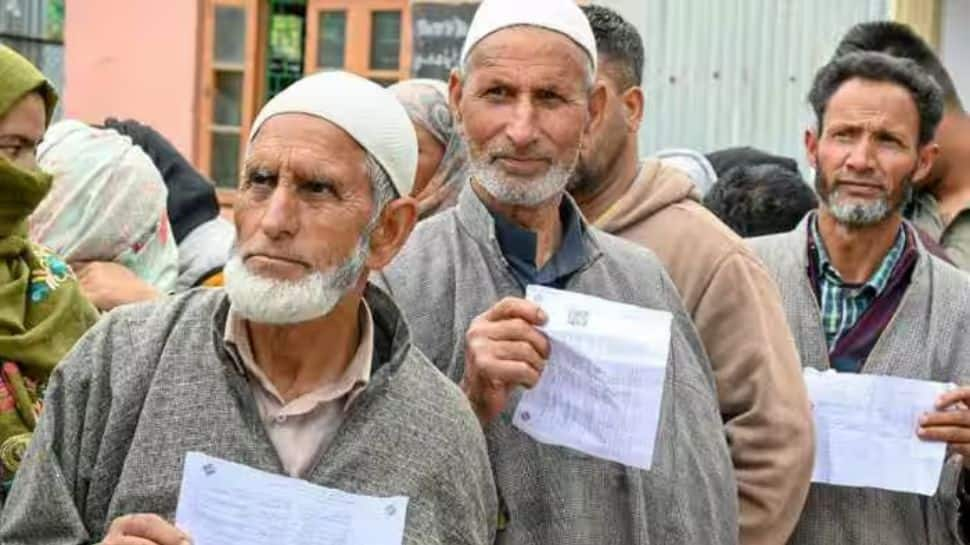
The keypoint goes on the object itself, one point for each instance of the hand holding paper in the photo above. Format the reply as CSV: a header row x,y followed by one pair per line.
x,y
950,423
865,429
144,528
601,391
503,350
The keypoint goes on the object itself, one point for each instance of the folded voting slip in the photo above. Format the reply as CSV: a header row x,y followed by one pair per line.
x,y
865,431
224,503
601,390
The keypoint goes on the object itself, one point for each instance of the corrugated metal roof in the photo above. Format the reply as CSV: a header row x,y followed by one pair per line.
x,y
723,73
22,17
23,26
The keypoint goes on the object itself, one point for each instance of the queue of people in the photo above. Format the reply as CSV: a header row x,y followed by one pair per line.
x,y
364,324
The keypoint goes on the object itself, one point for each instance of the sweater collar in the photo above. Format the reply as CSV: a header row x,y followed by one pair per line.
x,y
392,337
479,222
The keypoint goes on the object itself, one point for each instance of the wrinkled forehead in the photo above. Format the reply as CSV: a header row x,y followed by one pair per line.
x,y
873,104
308,147
525,45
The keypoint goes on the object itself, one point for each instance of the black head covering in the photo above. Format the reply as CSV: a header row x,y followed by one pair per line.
x,y
726,159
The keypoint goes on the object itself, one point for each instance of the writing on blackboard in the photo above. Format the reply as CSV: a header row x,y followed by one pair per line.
x,y
439,31
452,27
445,60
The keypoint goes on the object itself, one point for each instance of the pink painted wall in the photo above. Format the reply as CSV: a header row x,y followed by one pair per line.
x,y
134,58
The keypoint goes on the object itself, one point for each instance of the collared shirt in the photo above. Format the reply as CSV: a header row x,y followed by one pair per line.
x,y
842,303
954,236
519,247
301,428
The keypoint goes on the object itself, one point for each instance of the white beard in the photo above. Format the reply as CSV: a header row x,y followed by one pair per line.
x,y
281,302
521,192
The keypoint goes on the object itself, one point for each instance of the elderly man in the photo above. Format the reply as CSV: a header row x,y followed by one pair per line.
x,y
762,397
525,98
941,204
863,295
299,367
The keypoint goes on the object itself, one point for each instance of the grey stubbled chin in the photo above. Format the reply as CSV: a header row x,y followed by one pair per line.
x,y
861,213
515,192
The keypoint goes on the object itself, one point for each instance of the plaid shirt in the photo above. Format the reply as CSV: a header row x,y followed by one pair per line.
x,y
841,303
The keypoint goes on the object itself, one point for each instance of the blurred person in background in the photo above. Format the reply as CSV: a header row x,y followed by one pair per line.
x,y
761,199
726,159
106,214
42,310
692,163
762,401
204,238
442,156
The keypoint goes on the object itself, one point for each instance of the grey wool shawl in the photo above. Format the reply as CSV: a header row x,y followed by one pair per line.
x,y
151,382
926,339
451,270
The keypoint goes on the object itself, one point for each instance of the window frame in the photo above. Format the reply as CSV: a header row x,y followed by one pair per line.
x,y
357,49
252,85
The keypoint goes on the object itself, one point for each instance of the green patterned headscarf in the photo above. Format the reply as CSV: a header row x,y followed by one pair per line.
x,y
42,311
18,77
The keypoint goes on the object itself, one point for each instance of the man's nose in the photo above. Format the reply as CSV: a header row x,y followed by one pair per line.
x,y
861,155
281,216
521,129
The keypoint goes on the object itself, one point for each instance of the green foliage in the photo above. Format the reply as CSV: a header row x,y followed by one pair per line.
x,y
54,20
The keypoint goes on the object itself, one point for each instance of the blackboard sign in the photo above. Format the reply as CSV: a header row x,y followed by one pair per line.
x,y
439,32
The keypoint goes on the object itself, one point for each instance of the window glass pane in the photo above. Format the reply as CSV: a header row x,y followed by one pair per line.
x,y
385,40
228,99
225,160
332,41
230,35
285,63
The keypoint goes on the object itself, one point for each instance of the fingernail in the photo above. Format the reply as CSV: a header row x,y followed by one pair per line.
x,y
922,419
542,316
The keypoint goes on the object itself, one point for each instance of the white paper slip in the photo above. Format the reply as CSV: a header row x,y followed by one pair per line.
x,y
865,431
224,503
601,390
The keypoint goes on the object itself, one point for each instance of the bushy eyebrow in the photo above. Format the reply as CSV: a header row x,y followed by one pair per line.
x,y
257,165
492,81
896,134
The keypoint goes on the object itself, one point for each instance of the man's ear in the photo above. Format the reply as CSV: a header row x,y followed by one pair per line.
x,y
392,231
927,156
633,102
811,147
597,107
454,94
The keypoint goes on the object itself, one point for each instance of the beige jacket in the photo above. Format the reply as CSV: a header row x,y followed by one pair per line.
x,y
737,310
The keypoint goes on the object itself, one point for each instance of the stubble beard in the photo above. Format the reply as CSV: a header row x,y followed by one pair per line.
x,y
856,213
519,192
